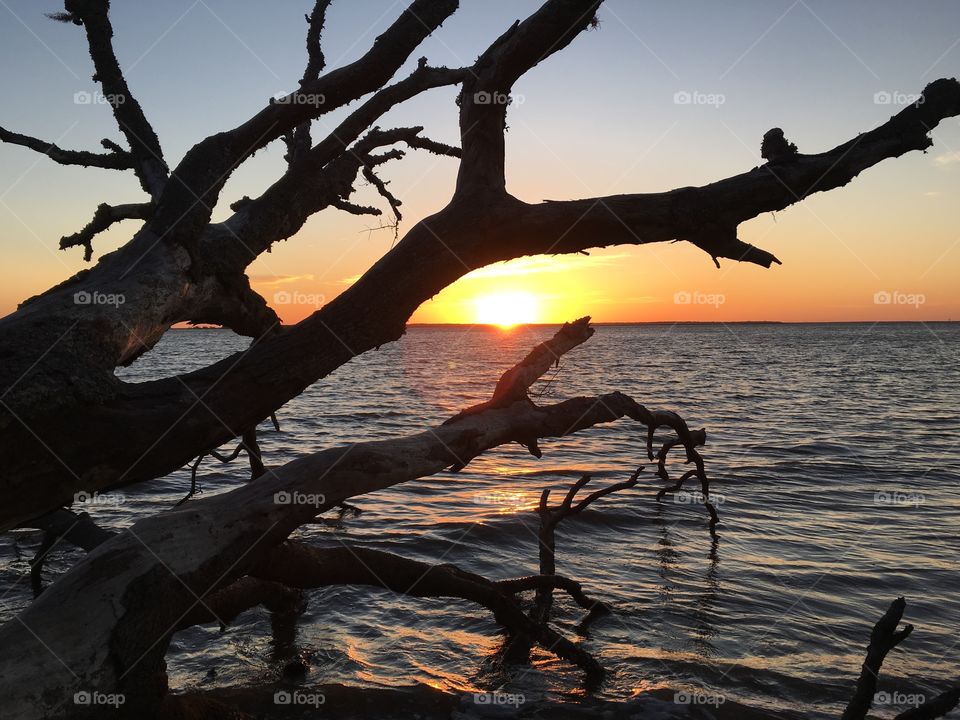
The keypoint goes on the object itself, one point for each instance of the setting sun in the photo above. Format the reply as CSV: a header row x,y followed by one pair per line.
x,y
506,309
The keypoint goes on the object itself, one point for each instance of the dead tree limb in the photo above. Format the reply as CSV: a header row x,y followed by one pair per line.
x,y
78,529
514,385
206,167
573,588
300,565
248,443
884,638
104,217
185,554
223,606
182,267
690,439
116,159
517,649
255,455
298,139
550,518
933,708
148,162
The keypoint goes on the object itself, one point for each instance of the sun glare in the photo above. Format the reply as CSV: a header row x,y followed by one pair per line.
x,y
506,309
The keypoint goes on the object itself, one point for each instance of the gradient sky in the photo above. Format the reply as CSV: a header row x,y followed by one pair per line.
x,y
599,118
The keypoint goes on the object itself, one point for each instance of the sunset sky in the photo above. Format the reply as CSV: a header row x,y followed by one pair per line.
x,y
599,118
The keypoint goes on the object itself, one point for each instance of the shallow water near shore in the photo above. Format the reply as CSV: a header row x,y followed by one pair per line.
x,y
834,458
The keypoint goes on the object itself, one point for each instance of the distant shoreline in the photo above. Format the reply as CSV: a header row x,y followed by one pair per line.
x,y
712,322
660,322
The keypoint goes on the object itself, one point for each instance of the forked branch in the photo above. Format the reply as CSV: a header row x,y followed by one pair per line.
x,y
149,164
116,159
104,217
300,565
207,544
884,638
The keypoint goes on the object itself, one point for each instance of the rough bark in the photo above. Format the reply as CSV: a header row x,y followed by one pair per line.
x,y
104,217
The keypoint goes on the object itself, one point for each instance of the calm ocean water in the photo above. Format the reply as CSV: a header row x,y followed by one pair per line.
x,y
832,447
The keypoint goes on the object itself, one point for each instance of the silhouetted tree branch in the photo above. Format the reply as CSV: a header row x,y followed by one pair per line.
x,y
181,267
145,149
103,218
517,648
69,424
884,638
77,529
116,159
189,553
933,708
300,565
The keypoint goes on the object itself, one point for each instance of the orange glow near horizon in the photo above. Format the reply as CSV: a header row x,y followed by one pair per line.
x,y
670,283
883,248
506,309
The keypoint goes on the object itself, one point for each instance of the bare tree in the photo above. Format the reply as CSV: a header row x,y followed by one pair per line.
x,y
70,425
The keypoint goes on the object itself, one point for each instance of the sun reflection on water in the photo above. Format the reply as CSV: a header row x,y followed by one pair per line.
x,y
507,502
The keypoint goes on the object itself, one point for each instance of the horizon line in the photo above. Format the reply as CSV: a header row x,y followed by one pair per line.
x,y
640,322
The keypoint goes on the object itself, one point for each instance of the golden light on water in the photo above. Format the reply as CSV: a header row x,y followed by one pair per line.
x,y
507,502
506,309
